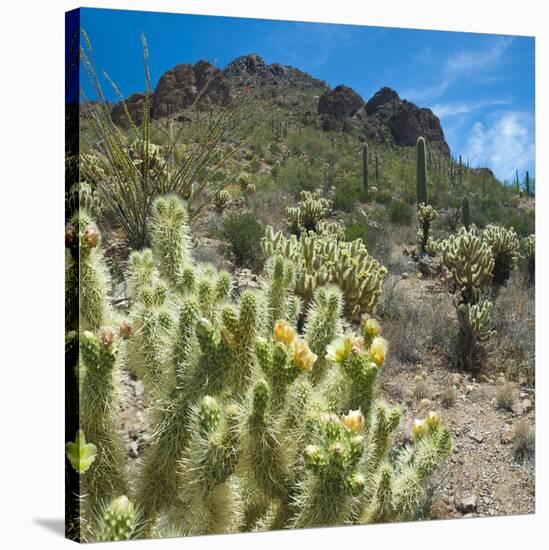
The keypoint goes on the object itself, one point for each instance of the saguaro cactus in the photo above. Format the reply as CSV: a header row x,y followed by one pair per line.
x,y
365,169
421,171
465,213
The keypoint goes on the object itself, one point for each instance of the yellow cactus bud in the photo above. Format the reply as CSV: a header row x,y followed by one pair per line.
x,y
354,421
433,419
372,328
419,427
284,332
304,358
378,350
340,349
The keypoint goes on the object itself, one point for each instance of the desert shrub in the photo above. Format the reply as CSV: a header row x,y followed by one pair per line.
x,y
243,232
524,441
506,396
383,196
358,229
514,321
448,396
347,195
400,212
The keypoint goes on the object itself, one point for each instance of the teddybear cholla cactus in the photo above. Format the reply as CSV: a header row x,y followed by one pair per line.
x,y
426,215
311,209
322,258
530,255
469,260
505,248
245,411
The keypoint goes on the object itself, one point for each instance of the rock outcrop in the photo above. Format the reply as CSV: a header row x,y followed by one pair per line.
x,y
405,120
338,105
252,69
200,84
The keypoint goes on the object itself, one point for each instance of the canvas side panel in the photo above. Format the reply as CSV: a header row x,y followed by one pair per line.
x,y
72,405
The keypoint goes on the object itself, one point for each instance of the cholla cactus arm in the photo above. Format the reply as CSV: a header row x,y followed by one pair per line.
x,y
384,423
282,361
240,332
184,341
208,496
333,479
106,476
278,290
358,365
141,273
152,322
262,451
170,237
118,521
505,248
322,326
418,463
87,276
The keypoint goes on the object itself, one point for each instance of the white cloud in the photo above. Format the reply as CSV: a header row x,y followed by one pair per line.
x,y
443,110
461,64
504,145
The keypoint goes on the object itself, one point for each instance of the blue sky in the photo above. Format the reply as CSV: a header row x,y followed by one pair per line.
x,y
480,85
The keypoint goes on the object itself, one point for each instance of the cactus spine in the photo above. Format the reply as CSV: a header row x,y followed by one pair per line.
x,y
421,171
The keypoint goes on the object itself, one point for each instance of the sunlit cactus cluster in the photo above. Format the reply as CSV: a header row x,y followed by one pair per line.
x,y
322,258
263,409
310,210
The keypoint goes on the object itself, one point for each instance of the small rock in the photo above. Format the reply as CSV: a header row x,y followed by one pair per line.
x,y
476,437
134,449
526,405
467,504
405,275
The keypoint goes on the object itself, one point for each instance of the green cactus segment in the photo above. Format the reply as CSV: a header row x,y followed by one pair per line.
x,y
311,209
505,247
334,477
323,324
421,171
106,476
170,236
208,462
80,453
87,280
465,213
365,169
119,521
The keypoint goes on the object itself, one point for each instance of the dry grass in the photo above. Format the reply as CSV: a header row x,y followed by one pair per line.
x,y
506,397
524,442
514,320
448,397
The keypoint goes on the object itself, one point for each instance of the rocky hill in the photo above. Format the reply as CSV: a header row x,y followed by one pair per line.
x,y
384,118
